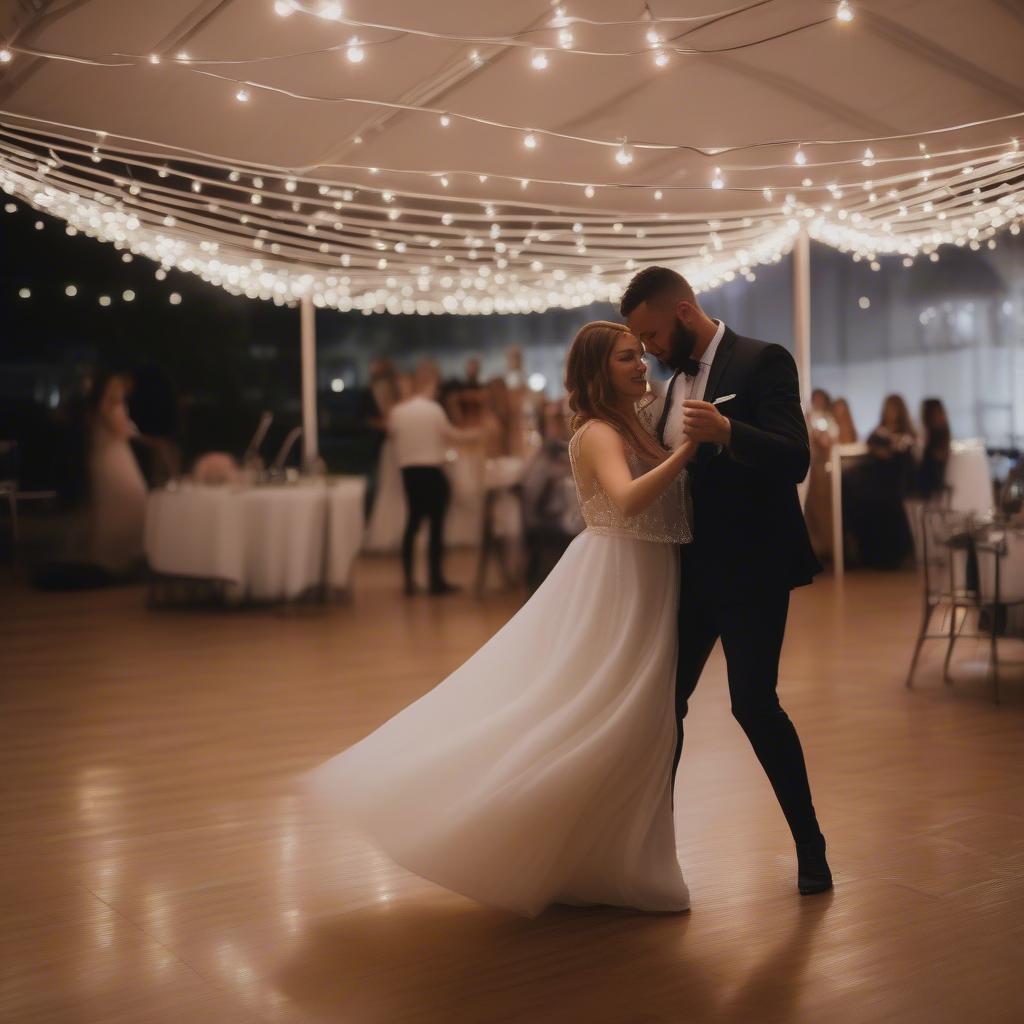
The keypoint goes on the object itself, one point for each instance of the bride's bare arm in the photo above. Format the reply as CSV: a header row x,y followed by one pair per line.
x,y
605,453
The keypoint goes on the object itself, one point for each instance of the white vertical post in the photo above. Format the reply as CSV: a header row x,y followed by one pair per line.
x,y
835,466
802,313
307,316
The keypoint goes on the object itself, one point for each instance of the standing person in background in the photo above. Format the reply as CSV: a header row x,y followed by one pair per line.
x,y
421,431
934,455
873,492
822,431
846,431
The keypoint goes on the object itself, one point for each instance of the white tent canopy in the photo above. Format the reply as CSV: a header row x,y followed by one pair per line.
x,y
408,157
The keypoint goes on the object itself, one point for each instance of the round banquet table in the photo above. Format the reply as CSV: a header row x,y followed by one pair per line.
x,y
269,542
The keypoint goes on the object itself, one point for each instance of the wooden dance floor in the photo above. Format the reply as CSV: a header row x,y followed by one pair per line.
x,y
157,866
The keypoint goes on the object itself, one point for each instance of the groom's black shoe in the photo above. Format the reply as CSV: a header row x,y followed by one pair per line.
x,y
813,874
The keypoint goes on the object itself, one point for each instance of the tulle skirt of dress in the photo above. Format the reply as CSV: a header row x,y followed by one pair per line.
x,y
539,771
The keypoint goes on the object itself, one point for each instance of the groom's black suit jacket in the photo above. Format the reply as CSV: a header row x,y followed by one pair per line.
x,y
750,537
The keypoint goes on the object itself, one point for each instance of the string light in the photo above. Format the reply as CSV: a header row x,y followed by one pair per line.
x,y
734,234
5,56
283,8
661,59
844,12
539,60
624,156
565,39
445,120
530,141
801,157
242,95
355,52
71,291
718,181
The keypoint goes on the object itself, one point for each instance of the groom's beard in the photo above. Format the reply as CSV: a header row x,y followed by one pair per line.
x,y
681,346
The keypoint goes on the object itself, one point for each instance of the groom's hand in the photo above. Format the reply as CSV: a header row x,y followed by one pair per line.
x,y
705,424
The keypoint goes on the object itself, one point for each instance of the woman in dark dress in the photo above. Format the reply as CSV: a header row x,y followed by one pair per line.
x,y
877,489
931,472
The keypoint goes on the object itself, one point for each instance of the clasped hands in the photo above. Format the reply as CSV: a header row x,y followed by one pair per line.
x,y
703,423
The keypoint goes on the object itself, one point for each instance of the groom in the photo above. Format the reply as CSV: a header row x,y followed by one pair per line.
x,y
750,545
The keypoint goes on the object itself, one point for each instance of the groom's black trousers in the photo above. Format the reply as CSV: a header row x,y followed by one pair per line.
x,y
751,629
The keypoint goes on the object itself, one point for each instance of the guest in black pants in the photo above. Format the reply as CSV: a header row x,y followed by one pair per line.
x,y
427,494
421,432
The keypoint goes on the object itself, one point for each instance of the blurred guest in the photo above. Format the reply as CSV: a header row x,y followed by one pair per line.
x,y
421,431
934,456
104,489
846,432
117,498
518,405
384,525
822,431
874,492
464,399
495,419
551,515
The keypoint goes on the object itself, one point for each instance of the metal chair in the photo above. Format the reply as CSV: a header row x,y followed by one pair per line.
x,y
1000,551
946,548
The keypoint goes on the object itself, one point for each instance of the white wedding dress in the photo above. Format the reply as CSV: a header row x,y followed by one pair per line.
x,y
539,771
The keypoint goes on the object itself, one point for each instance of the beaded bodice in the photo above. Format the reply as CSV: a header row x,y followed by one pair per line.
x,y
666,520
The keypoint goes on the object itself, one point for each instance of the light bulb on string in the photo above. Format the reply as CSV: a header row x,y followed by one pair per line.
x,y
290,185
624,156
445,120
718,181
658,194
283,8
589,191
653,37
801,157
530,141
444,181
869,158
475,59
355,52
154,58
6,56
539,60
565,39
844,12
242,95
661,58
183,58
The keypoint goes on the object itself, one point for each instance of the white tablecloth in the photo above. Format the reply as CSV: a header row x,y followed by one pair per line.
x,y
269,542
969,477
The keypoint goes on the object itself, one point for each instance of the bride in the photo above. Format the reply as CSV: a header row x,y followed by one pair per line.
x,y
540,770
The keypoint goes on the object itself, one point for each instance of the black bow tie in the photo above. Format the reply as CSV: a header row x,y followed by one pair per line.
x,y
690,367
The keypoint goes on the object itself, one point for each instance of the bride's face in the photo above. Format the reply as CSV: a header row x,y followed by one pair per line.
x,y
627,368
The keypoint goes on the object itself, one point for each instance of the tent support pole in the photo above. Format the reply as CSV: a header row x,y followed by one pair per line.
x,y
307,319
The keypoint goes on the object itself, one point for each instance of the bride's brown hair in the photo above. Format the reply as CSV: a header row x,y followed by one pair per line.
x,y
588,384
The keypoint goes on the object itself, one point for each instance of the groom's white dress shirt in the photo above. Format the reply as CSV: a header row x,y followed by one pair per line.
x,y
686,388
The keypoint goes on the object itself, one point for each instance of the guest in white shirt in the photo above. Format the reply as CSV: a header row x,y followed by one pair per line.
x,y
420,431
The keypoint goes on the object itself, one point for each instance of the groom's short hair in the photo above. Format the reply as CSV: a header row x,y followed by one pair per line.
x,y
655,283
